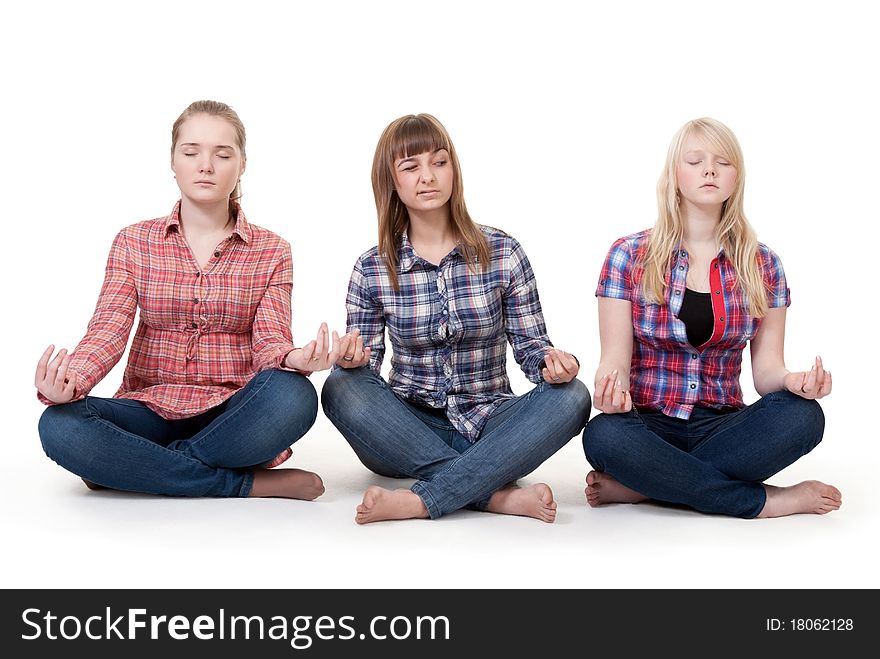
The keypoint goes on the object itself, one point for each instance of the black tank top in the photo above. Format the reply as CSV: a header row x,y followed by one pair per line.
x,y
697,316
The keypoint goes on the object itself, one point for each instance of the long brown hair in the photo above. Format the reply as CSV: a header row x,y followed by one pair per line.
x,y
222,111
735,235
408,136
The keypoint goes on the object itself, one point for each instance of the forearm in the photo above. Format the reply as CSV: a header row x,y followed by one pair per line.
x,y
769,379
609,364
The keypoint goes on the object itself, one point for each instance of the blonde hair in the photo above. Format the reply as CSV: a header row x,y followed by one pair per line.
x,y
222,111
735,235
407,136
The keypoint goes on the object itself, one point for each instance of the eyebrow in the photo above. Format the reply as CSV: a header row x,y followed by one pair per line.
x,y
442,148
219,146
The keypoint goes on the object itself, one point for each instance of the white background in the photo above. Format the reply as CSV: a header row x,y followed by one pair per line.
x,y
561,113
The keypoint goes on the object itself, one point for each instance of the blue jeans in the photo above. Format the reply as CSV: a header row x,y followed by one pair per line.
x,y
124,445
396,438
715,461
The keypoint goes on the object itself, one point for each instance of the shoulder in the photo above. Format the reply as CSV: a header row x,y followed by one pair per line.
x,y
142,232
370,261
634,242
769,263
263,239
501,244
628,249
766,255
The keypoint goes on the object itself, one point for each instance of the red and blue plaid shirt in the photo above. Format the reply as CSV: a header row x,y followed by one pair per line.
x,y
449,326
203,333
668,373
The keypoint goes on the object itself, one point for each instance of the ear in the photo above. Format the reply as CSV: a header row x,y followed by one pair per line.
x,y
243,166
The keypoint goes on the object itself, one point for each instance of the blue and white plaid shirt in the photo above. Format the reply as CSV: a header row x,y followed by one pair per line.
x,y
449,326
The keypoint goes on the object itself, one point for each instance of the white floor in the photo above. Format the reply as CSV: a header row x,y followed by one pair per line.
x,y
59,534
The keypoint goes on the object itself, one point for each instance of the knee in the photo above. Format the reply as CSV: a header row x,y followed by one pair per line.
x,y
300,393
58,431
49,428
600,437
574,402
340,390
803,417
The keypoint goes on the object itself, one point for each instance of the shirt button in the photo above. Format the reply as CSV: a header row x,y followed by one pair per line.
x,y
715,266
721,319
195,300
217,254
678,292
694,357
717,292
198,274
681,267
193,325
693,386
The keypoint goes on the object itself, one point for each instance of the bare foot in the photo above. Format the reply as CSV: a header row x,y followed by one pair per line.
x,y
602,488
279,459
380,504
532,501
806,497
287,483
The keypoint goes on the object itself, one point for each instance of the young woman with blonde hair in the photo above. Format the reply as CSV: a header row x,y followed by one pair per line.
x,y
451,294
214,392
677,305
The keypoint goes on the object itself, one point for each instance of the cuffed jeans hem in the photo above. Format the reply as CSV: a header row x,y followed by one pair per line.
x,y
762,502
433,509
246,485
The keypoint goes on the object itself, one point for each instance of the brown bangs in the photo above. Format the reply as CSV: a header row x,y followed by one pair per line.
x,y
416,135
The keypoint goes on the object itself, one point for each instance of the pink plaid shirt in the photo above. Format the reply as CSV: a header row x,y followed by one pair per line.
x,y
203,334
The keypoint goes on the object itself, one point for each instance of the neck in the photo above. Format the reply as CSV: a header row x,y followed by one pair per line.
x,y
204,218
431,228
700,224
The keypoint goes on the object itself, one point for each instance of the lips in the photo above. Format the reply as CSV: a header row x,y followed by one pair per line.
x,y
428,192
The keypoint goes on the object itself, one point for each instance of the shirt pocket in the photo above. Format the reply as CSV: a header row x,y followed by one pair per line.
x,y
479,316
652,323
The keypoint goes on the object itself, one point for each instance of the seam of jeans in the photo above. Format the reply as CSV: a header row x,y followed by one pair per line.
x,y
341,425
247,484
419,489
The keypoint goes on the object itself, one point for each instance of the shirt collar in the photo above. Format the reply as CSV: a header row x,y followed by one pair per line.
x,y
241,228
682,253
407,257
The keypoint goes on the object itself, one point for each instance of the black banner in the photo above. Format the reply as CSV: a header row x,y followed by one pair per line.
x,y
434,623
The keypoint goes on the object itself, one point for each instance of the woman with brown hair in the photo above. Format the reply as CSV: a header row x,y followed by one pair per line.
x,y
451,294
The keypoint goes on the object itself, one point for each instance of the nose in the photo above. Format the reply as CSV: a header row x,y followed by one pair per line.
x,y
427,175
205,165
710,169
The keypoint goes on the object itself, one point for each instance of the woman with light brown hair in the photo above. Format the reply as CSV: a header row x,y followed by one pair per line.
x,y
215,391
451,294
677,305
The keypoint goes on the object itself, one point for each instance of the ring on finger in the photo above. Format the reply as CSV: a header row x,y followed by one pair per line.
x,y
347,358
